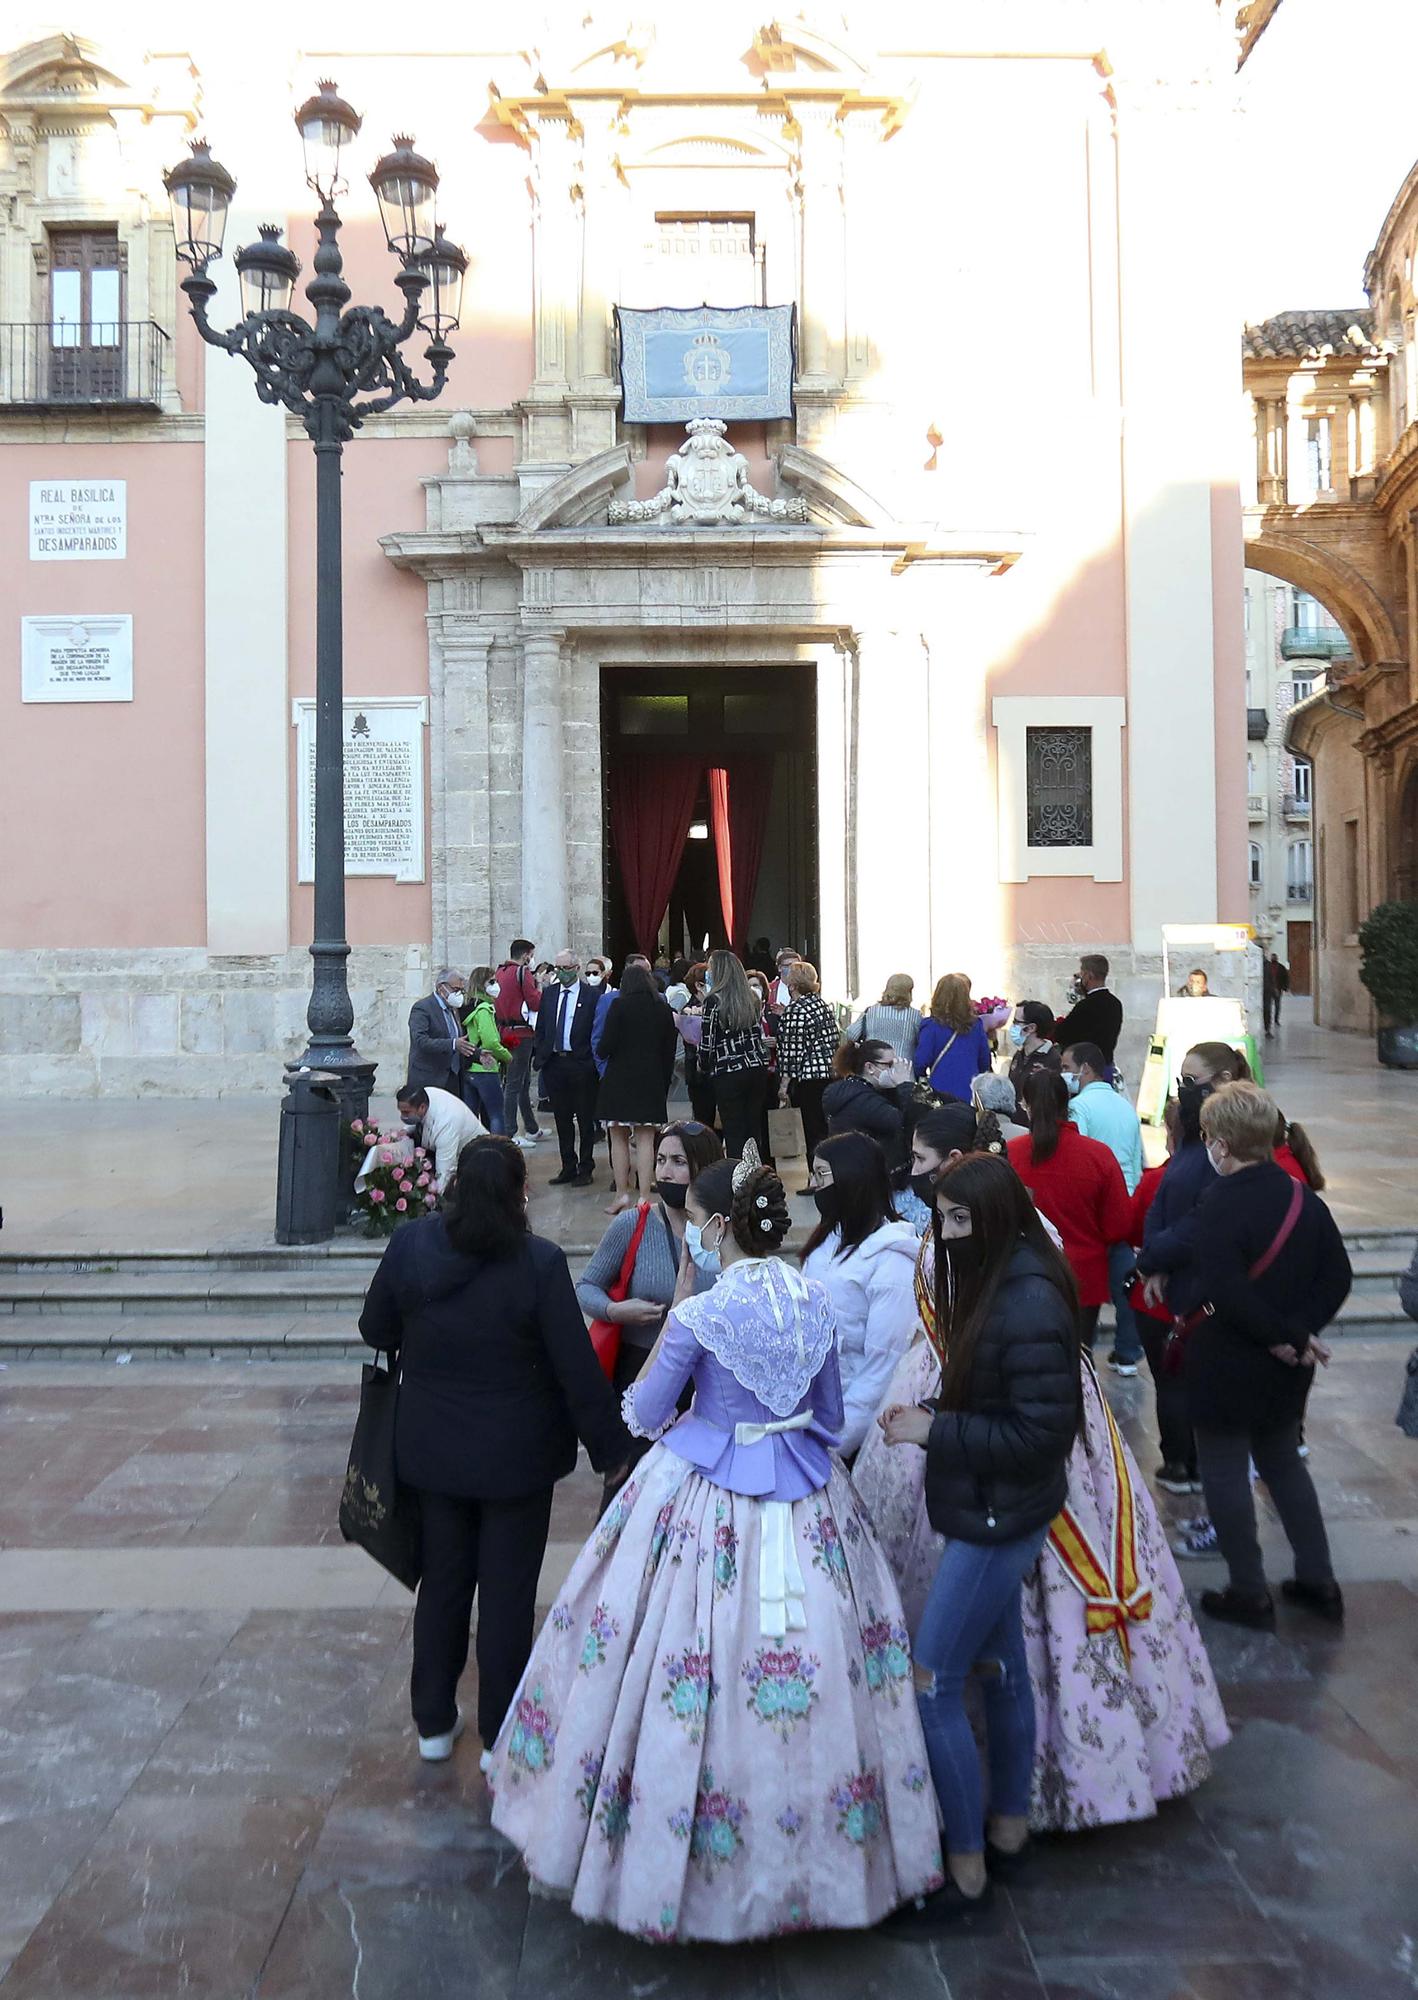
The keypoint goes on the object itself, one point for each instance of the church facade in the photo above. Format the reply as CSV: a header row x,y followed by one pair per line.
x,y
957,633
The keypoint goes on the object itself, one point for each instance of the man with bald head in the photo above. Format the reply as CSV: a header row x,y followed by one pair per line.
x,y
566,1062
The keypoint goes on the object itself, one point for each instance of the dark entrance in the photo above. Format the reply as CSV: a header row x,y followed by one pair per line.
x,y
728,718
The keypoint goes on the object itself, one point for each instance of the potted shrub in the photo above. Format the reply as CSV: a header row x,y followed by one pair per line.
x,y
1388,940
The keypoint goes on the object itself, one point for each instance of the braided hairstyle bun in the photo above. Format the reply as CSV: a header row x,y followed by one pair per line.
x,y
759,1217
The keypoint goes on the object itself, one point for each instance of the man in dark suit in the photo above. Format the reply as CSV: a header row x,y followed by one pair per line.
x,y
438,1051
567,1066
1097,1014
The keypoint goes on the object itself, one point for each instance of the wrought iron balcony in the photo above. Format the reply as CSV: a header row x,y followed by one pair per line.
x,y
1296,808
117,364
1314,642
1256,805
1299,892
1257,724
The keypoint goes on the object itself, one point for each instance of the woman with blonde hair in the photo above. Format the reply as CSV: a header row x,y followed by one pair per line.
x,y
807,1044
892,1019
952,1048
732,1053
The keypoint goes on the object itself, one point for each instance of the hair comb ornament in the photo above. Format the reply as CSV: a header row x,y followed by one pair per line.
x,y
747,1167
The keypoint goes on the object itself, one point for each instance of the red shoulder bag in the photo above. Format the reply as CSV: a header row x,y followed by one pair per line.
x,y
605,1334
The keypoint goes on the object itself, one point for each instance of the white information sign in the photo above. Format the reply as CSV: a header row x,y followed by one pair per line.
x,y
384,816
77,657
78,520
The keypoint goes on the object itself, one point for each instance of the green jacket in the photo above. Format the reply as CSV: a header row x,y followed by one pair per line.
x,y
480,1027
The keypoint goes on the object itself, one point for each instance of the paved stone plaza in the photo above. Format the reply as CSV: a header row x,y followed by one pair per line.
x,y
208,1783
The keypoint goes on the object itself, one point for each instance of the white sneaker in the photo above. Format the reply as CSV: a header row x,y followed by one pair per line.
x,y
485,1762
438,1749
524,1142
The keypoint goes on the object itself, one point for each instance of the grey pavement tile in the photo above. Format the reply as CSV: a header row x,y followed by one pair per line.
x,y
561,1955
1159,1979
381,1942
174,1896
962,1963
30,1642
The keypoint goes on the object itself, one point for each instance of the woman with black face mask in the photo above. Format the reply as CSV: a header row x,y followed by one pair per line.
x,y
656,1230
1166,1264
866,1259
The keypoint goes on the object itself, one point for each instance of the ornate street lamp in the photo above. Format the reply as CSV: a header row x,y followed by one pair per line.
x,y
332,373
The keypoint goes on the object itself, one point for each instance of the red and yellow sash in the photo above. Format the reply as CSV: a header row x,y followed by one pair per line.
x,y
1114,1594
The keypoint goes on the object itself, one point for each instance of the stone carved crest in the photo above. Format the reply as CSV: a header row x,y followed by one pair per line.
x,y
706,485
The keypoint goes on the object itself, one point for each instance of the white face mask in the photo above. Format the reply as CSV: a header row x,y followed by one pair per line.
x,y
492,989
455,1000
1073,1082
593,979
1216,1166
700,1253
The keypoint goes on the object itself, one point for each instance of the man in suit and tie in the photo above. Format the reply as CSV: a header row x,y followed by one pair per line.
x,y
438,1050
567,1067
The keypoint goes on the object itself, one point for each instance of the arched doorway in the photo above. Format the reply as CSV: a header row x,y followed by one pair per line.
x,y
1405,879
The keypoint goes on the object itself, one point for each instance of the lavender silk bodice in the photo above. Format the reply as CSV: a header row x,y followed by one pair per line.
x,y
759,1348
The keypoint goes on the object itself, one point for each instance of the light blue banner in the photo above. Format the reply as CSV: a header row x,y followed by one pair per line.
x,y
707,361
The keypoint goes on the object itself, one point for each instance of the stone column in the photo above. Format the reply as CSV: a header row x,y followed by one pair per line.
x,y
823,302
1173,162
555,228
892,789
545,874
460,807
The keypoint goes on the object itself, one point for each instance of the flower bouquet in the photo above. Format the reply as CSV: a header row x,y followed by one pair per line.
x,y
395,1181
994,1013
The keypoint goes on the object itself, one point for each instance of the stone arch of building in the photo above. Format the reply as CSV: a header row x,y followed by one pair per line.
x,y
1405,871
1369,621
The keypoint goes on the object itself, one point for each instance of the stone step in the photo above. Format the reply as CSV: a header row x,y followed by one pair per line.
x,y
318,1331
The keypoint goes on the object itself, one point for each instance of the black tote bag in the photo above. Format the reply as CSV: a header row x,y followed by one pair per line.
x,y
375,1510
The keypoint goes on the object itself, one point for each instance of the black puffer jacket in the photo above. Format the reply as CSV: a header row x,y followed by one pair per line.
x,y
996,1469
853,1105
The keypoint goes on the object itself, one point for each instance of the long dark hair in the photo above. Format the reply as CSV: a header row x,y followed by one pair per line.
x,y
970,1269
1046,1095
702,1144
864,1203
637,979
483,1207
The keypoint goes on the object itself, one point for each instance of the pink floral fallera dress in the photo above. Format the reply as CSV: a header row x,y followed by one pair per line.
x,y
1128,1713
717,1736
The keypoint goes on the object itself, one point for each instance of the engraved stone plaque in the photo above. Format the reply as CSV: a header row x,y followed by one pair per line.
x,y
384,811
76,658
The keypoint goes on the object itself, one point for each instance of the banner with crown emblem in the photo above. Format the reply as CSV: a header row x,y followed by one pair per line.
x,y
735,363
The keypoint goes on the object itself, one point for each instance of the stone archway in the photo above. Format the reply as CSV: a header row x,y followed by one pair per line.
x,y
1370,622
1405,848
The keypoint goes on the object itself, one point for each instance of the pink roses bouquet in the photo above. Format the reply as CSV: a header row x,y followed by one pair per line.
x,y
397,1182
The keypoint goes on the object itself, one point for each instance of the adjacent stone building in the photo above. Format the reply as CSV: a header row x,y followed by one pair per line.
x,y
975,650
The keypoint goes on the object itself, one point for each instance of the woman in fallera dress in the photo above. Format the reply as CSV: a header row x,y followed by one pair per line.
x,y
1127,1708
716,1736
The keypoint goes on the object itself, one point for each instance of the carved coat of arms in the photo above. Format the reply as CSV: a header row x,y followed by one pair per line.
x,y
706,484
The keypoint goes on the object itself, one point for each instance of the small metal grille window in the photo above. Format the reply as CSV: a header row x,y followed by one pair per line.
x,y
1059,787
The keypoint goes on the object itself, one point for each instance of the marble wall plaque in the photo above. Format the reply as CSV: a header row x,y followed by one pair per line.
x,y
78,520
384,805
76,658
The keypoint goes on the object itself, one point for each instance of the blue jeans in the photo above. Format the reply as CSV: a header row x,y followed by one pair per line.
x,y
972,1614
1127,1341
517,1090
485,1087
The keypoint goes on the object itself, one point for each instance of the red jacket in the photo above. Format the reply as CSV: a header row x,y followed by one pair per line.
x,y
515,985
1080,1188
1141,1199
1285,1158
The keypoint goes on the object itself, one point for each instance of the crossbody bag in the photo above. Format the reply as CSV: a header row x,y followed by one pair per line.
x,y
1181,1330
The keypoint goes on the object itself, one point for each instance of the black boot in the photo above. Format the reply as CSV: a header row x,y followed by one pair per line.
x,y
1235,1609
1326,1600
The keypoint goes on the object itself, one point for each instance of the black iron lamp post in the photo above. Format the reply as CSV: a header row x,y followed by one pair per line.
x,y
332,374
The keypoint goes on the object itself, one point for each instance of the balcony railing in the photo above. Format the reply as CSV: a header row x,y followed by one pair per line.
x,y
46,367
1314,642
1257,724
1299,892
1296,808
1256,805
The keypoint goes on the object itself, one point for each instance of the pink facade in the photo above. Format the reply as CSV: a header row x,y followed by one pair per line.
x,y
995,527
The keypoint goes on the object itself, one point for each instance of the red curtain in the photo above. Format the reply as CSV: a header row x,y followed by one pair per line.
x,y
739,798
652,804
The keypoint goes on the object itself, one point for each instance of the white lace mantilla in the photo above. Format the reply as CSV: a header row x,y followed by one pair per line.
x,y
771,1327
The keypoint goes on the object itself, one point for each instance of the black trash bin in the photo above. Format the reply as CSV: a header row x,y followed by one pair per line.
x,y
308,1166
